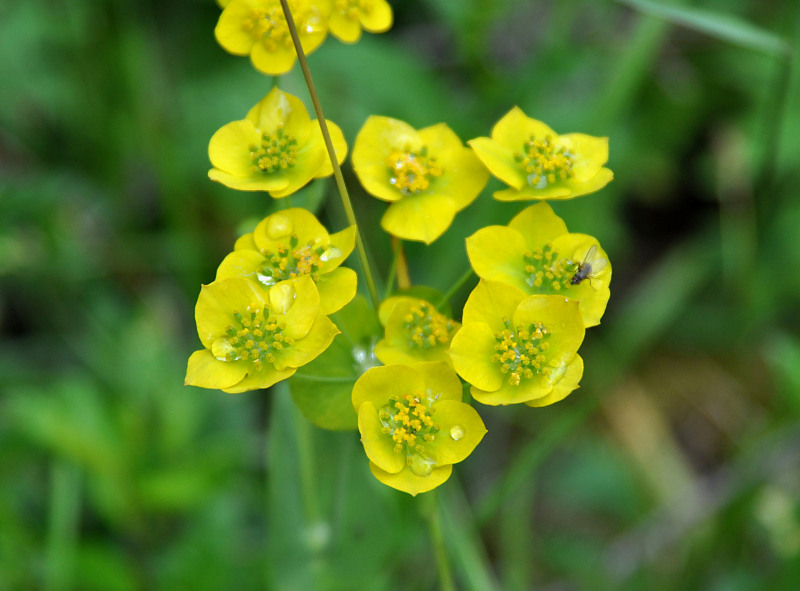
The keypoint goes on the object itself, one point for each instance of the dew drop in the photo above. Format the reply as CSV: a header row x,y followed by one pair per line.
x,y
422,465
456,432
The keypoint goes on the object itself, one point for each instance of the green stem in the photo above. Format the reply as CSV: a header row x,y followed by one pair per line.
x,y
337,171
456,286
430,510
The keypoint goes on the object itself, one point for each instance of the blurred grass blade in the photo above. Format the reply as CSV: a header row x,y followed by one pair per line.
x,y
718,25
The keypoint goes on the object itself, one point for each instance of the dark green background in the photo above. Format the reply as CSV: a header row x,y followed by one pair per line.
x,y
675,466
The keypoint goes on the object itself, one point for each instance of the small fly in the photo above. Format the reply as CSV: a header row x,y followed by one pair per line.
x,y
589,267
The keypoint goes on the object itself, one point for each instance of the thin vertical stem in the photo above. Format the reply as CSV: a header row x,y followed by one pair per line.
x,y
337,171
430,508
62,526
456,286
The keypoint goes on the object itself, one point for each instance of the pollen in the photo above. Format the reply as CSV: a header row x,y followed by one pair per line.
x,y
408,420
520,351
252,336
412,172
291,261
426,328
275,153
546,272
543,162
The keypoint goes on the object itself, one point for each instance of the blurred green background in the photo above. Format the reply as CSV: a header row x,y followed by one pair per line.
x,y
675,466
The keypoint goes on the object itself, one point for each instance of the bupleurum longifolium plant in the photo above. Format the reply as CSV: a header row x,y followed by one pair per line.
x,y
282,306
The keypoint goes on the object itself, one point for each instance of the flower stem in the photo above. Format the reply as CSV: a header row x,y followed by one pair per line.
x,y
455,287
430,509
403,277
337,171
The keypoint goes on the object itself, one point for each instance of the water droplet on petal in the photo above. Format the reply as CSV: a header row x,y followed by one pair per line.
x,y
422,465
278,226
456,432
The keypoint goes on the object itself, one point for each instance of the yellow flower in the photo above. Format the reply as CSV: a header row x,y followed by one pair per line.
x,y
254,338
537,163
426,175
290,244
346,18
536,254
518,348
415,331
258,28
413,424
276,148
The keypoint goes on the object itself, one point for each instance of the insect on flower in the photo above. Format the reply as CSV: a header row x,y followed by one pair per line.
x,y
589,267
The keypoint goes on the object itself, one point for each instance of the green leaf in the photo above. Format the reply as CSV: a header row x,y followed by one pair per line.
x,y
322,389
721,26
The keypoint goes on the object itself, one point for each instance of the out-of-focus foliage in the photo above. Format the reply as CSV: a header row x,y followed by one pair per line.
x,y
674,466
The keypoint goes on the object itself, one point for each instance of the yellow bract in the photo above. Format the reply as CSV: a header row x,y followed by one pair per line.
x,y
537,163
536,254
426,175
254,337
413,424
277,148
258,28
290,244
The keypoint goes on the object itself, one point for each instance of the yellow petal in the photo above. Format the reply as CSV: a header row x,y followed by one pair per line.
x,y
229,148
281,110
264,378
566,385
597,182
407,481
461,431
318,338
206,371
515,128
495,252
344,28
528,389
339,147
245,242
419,217
378,384
471,351
593,292
527,193
376,139
241,263
217,303
490,302
378,18
441,381
499,159
559,315
295,302
378,446
336,289
274,63
230,33
538,224
339,248
589,153
275,230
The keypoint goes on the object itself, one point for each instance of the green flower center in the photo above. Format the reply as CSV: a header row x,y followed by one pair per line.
x,y
268,24
546,271
275,153
253,336
412,172
543,162
521,353
288,262
409,422
426,328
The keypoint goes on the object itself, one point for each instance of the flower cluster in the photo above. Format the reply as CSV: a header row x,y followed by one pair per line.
x,y
258,28
267,312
